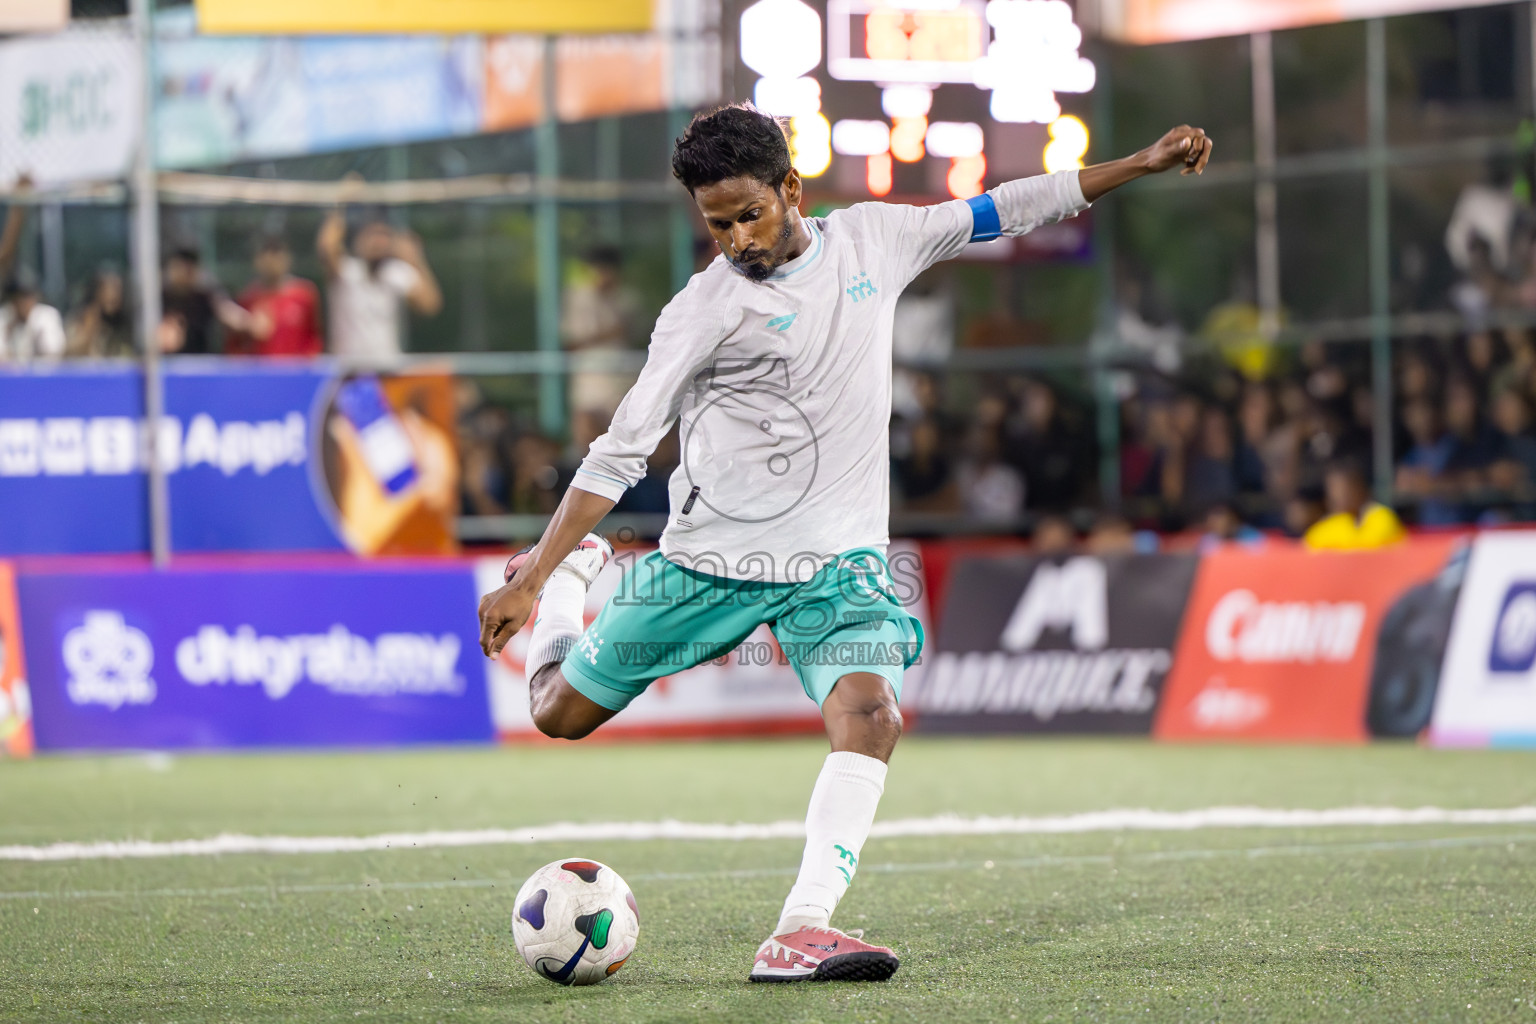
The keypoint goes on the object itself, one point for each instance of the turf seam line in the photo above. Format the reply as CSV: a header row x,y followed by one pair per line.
x,y
1018,863
942,825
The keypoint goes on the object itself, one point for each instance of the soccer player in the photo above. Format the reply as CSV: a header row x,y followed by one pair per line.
x,y
776,358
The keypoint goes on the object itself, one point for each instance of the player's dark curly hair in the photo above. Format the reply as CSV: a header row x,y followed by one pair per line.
x,y
733,141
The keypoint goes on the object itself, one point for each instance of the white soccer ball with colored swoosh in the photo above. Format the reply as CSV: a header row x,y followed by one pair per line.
x,y
575,922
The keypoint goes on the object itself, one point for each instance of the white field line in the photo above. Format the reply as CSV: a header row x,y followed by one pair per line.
x,y
1510,840
942,825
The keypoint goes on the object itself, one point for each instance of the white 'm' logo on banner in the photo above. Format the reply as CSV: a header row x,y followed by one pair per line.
x,y
1071,596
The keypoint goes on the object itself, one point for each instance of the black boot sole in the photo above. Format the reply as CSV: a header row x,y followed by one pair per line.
x,y
848,967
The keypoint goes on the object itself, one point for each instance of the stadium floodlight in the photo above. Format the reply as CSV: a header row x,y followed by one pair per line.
x,y
1068,145
787,97
861,138
877,174
1024,106
964,179
810,144
906,100
1076,76
1033,57
907,134
955,139
780,38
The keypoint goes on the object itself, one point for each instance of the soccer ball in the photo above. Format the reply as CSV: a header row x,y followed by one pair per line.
x,y
575,922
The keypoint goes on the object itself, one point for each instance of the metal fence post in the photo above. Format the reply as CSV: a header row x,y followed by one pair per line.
x,y
146,258
1380,255
1265,200
546,231
1105,336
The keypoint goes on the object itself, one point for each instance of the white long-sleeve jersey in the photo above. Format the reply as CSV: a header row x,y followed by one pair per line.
x,y
783,386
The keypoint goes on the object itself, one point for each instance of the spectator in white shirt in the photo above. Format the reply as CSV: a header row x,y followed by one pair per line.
x,y
596,318
366,287
29,328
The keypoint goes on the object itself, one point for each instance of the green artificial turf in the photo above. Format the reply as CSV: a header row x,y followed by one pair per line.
x,y
1389,924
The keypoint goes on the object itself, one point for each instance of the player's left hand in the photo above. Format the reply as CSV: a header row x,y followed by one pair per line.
x,y
1184,147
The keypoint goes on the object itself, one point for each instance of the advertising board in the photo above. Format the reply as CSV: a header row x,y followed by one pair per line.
x,y
250,96
69,103
1287,644
259,457
240,657
15,695
1488,697
1027,644
1164,21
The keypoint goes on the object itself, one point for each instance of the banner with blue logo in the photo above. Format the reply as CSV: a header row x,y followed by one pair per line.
x,y
235,441
1487,693
328,656
71,461
225,98
259,456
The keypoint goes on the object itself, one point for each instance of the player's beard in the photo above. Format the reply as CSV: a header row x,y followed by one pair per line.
x,y
759,264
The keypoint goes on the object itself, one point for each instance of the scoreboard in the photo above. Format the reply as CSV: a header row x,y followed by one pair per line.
x,y
1022,52
877,42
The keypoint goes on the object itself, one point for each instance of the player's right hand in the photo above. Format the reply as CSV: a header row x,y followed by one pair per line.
x,y
1184,147
502,614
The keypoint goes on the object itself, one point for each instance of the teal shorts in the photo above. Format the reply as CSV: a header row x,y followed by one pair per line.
x,y
665,618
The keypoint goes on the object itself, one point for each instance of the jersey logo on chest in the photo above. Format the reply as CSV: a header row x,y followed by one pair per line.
x,y
781,323
860,287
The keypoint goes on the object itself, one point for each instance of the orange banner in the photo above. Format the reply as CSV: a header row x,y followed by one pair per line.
x,y
1164,21
34,15
595,76
15,699
1282,643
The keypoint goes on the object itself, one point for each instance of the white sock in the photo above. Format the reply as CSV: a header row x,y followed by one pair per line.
x,y
836,824
559,622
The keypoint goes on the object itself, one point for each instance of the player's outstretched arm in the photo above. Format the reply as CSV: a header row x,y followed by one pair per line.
x,y
1184,147
503,611
920,236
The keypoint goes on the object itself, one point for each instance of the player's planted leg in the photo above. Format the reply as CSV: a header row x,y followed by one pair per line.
x,y
863,723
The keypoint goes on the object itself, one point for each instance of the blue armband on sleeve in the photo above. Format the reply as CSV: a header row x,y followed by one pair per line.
x,y
985,223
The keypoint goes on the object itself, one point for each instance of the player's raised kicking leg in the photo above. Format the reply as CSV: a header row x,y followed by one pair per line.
x,y
558,710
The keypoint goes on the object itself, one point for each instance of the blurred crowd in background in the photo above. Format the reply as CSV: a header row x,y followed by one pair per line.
x,y
1223,430
371,279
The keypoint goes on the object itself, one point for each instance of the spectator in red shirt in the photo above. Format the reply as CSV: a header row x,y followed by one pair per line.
x,y
285,310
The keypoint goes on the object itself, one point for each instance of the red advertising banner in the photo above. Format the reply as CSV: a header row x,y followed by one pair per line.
x,y
15,698
1289,644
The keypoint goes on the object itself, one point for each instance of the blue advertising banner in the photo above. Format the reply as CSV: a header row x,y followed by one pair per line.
x,y
228,98
244,658
238,441
239,446
71,476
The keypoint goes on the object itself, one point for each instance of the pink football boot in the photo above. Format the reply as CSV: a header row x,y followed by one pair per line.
x,y
822,954
585,562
